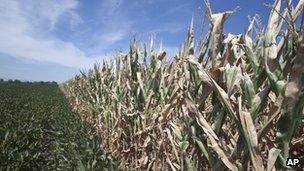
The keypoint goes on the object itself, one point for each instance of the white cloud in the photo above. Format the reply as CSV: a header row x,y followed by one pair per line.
x,y
115,25
20,36
113,37
26,30
75,20
46,13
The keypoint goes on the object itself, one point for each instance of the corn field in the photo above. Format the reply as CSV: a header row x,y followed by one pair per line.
x,y
228,102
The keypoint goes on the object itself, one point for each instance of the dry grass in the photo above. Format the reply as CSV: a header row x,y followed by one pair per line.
x,y
240,108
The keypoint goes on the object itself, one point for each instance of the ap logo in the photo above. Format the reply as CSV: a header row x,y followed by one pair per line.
x,y
292,161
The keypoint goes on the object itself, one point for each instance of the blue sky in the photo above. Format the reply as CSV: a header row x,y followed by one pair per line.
x,y
52,39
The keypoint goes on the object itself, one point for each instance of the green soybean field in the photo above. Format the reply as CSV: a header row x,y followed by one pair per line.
x,y
38,131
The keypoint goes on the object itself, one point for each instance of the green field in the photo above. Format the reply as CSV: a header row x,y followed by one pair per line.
x,y
38,131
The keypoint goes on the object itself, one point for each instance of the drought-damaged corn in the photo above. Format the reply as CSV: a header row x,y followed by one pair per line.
x,y
233,102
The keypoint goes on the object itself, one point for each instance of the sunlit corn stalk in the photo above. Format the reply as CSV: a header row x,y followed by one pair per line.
x,y
235,101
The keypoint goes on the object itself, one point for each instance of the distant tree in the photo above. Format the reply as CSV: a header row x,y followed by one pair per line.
x,y
17,81
1,80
